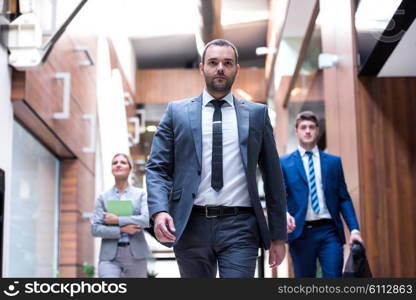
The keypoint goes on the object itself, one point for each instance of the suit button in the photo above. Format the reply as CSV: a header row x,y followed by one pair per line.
x,y
193,195
199,172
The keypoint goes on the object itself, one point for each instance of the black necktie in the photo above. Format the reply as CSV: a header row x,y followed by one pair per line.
x,y
216,161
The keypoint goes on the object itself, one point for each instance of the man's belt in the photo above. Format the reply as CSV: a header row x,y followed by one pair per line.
x,y
221,211
318,222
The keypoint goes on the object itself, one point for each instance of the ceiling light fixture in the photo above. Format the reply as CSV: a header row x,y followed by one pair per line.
x,y
264,51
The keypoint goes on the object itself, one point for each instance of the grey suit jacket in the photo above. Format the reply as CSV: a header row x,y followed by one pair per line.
x,y
173,171
111,234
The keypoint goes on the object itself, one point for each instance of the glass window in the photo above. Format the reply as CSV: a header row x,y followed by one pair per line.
x,y
33,232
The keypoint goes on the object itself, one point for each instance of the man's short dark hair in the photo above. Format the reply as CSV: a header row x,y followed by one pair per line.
x,y
222,43
306,115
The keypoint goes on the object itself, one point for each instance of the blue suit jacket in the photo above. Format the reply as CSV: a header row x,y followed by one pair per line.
x,y
173,171
337,197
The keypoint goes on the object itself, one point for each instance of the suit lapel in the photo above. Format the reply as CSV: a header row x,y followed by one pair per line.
x,y
243,123
299,165
324,168
195,120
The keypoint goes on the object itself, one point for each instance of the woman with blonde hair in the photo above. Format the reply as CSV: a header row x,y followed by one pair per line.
x,y
123,249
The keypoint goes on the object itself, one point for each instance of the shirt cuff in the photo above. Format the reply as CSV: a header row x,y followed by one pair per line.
x,y
355,231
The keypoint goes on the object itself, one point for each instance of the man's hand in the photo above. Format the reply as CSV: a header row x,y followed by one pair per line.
x,y
131,229
277,253
355,236
110,218
291,224
164,227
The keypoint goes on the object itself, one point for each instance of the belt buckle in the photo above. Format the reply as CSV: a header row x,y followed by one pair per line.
x,y
236,211
207,215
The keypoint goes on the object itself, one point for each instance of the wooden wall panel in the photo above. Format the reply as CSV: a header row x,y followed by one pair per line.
x,y
44,94
69,182
64,58
67,272
86,203
77,197
164,85
338,37
281,128
252,82
68,239
386,112
68,218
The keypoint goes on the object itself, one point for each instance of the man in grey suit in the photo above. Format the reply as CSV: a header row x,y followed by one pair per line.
x,y
201,177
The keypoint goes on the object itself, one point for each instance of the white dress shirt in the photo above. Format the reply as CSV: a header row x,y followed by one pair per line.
x,y
323,212
234,192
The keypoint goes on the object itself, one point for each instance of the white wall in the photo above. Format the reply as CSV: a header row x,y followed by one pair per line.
x,y
112,121
126,57
6,141
103,17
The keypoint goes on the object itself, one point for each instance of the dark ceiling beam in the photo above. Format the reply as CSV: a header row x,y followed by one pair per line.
x,y
278,15
210,21
404,16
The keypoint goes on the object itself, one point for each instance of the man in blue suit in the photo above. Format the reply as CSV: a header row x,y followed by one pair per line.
x,y
317,196
201,177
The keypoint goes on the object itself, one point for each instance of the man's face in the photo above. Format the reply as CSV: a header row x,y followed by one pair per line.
x,y
219,68
307,133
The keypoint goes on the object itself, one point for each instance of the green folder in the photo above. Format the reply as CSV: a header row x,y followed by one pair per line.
x,y
121,208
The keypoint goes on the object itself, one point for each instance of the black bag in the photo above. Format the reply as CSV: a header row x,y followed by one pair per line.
x,y
357,264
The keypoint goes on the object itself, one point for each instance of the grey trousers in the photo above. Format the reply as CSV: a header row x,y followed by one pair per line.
x,y
230,244
123,265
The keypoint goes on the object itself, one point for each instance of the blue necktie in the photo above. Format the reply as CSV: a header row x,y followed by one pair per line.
x,y
312,184
216,161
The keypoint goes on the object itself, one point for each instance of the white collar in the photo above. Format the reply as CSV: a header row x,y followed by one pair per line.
x,y
115,189
206,98
315,151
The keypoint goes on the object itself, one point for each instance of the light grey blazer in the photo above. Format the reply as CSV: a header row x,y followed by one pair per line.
x,y
111,234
